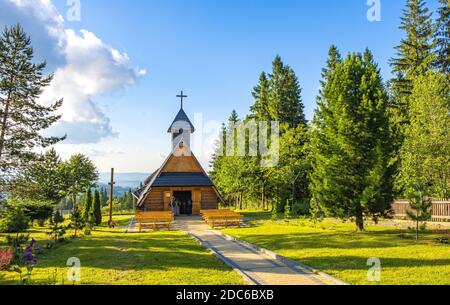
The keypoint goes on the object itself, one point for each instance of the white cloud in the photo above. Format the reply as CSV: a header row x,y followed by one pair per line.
x,y
90,68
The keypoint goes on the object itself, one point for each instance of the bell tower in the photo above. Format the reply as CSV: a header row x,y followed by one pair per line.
x,y
181,129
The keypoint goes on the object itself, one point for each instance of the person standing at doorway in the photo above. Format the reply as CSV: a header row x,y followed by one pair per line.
x,y
172,205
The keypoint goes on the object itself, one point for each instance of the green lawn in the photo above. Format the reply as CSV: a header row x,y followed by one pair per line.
x,y
115,257
335,248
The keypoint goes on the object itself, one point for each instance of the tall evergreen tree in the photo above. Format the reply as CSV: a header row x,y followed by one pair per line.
x,y
414,55
22,118
260,109
351,147
278,96
104,196
87,208
97,208
334,58
442,37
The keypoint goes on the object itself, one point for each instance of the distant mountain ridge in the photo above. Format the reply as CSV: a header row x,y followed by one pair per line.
x,y
124,180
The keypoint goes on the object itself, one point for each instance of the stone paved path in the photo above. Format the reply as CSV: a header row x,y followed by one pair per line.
x,y
258,268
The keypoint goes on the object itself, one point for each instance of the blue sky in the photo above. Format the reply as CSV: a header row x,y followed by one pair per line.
x,y
214,50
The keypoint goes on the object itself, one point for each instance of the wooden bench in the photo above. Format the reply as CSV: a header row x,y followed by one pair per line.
x,y
207,213
222,218
154,220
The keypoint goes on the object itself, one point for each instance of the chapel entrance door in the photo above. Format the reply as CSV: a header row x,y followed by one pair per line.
x,y
185,199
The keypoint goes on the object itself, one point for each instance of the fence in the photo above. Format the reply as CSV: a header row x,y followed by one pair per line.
x,y
440,209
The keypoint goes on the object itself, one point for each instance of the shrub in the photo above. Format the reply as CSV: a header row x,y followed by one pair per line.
x,y
6,256
58,217
18,244
301,209
287,211
35,210
57,231
13,220
77,222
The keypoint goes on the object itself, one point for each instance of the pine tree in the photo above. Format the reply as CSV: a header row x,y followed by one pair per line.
x,y
351,147
442,38
87,204
97,208
77,221
420,211
414,55
22,118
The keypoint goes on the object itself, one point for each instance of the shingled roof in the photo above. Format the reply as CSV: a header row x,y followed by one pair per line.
x,y
182,180
181,117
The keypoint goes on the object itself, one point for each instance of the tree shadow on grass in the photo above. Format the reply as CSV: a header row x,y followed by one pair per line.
x,y
317,240
341,263
133,252
143,254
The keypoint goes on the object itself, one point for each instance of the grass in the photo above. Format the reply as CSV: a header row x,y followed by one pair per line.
x,y
113,257
334,247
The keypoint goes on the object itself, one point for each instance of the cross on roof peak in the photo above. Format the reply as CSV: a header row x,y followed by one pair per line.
x,y
182,96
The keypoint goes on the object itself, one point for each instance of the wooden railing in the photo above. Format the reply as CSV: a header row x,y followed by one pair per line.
x,y
440,209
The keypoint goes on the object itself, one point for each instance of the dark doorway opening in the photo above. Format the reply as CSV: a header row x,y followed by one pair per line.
x,y
185,199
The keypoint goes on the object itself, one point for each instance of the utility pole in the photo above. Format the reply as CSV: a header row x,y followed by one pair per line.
x,y
111,198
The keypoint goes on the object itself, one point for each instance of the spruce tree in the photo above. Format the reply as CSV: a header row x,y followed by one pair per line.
x,y
351,147
22,118
97,208
87,204
442,38
420,211
260,109
77,221
278,96
414,55
103,196
334,58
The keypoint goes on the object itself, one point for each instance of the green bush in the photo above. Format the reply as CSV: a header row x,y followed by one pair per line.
x,y
35,210
301,209
287,211
13,220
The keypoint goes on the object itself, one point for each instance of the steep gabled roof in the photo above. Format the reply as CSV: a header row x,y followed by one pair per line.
x,y
181,117
158,179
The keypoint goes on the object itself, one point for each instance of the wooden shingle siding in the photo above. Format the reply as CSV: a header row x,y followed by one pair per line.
x,y
209,200
154,201
185,164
